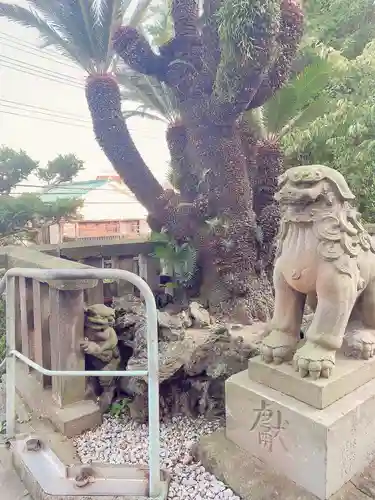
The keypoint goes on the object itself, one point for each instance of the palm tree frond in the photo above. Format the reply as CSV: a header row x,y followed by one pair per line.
x,y
88,24
73,20
141,112
139,12
107,11
156,97
310,113
108,16
300,92
49,32
158,25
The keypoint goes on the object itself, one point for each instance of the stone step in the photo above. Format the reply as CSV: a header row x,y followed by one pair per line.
x,y
48,478
11,486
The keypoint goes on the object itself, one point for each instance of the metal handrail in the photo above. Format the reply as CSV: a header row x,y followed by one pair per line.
x,y
8,284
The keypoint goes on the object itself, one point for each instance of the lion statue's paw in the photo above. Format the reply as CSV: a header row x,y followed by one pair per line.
x,y
278,346
359,343
314,360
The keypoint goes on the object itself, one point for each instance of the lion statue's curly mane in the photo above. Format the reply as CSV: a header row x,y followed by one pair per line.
x,y
320,196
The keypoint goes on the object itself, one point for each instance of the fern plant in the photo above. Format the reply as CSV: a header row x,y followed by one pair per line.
x,y
178,261
118,408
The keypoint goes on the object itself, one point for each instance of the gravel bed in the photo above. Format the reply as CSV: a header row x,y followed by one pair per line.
x,y
121,440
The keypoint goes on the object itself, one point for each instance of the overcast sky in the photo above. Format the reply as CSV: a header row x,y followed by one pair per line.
x,y
38,87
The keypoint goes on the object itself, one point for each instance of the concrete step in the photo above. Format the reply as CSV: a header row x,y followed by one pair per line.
x,y
11,486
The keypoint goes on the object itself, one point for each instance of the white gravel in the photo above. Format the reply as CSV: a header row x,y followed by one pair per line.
x,y
121,440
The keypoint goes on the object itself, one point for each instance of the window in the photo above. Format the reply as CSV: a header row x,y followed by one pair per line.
x,y
107,263
135,227
112,227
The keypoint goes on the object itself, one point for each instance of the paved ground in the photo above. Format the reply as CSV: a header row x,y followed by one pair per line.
x,y
11,486
2,401
252,480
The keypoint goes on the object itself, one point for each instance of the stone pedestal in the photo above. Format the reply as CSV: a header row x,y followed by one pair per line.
x,y
321,445
348,375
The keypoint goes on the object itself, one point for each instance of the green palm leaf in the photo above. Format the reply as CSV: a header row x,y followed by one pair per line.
x,y
307,115
81,30
155,97
158,25
49,32
141,112
73,19
290,103
108,16
139,12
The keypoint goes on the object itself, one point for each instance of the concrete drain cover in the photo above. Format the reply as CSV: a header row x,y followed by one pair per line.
x,y
46,477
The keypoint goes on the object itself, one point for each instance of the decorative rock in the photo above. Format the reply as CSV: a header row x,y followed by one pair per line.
x,y
166,320
170,326
193,363
129,304
236,326
126,321
186,319
171,334
201,317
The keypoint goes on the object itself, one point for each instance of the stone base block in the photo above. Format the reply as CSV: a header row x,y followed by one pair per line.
x,y
251,479
71,420
348,375
320,450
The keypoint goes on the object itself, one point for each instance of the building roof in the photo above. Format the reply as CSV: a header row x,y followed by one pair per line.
x,y
72,190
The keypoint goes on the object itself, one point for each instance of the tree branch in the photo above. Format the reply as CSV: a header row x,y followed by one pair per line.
x,y
185,17
112,134
137,53
290,35
184,51
247,52
167,207
210,50
187,181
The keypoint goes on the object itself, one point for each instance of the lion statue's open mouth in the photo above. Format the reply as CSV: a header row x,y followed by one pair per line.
x,y
325,255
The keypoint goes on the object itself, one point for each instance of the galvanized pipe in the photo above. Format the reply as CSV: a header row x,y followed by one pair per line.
x,y
8,283
78,373
10,414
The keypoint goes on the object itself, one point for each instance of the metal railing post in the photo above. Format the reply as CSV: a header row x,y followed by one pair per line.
x,y
152,371
10,385
153,394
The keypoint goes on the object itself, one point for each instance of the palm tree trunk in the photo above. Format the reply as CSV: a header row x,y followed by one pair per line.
x,y
215,79
166,207
233,283
186,180
112,134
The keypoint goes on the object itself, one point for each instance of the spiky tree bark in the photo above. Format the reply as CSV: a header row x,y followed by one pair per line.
x,y
235,62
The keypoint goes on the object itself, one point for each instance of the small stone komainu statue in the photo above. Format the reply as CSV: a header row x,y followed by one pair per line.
x,y
101,351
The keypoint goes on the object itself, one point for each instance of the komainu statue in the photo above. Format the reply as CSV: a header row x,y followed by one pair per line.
x,y
326,256
101,351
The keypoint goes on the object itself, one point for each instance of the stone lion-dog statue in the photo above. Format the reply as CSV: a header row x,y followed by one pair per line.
x,y
324,256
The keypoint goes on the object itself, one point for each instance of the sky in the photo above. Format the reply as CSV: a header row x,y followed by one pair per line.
x,y
43,108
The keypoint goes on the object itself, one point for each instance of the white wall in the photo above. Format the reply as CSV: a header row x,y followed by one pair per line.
x,y
109,203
